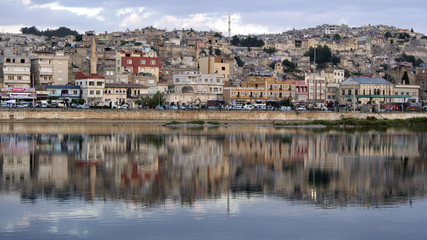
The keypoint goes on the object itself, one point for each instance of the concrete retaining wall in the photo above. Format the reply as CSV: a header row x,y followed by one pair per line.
x,y
166,116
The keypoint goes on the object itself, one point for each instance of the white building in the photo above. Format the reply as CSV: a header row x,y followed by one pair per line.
x,y
16,71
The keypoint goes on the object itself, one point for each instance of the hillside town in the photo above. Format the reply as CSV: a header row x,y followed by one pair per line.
x,y
325,67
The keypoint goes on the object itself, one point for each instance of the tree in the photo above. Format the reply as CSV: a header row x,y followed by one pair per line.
x,y
404,36
387,35
337,37
270,50
323,55
235,41
335,60
157,99
288,66
217,52
405,78
239,61
286,102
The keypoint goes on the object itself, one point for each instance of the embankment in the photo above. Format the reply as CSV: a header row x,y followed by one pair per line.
x,y
153,116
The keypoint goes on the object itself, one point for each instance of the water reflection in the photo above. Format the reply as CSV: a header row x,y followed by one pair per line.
x,y
149,165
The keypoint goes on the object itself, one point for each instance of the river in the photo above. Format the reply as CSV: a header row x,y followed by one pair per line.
x,y
141,181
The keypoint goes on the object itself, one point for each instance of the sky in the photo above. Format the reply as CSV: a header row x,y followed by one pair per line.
x,y
247,17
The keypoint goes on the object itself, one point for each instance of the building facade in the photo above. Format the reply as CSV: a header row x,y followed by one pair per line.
x,y
49,68
139,64
16,71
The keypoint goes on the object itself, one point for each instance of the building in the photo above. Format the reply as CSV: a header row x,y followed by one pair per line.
x,y
360,91
49,68
408,93
92,86
16,71
216,65
66,93
301,92
122,93
258,89
138,63
195,88
316,88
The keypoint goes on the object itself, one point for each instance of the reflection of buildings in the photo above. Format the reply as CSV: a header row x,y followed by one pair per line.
x,y
332,168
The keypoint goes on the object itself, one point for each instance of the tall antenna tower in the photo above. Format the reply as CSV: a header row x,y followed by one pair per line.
x,y
229,25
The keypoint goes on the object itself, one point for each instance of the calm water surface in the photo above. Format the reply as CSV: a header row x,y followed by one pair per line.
x,y
133,181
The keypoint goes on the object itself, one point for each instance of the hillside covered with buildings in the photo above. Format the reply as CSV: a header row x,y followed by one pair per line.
x,y
324,65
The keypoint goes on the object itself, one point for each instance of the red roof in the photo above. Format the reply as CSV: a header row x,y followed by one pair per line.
x,y
82,75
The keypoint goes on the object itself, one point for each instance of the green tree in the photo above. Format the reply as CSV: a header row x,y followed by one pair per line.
x,y
337,37
323,55
335,60
235,41
270,50
155,100
217,52
239,61
288,66
286,102
405,78
387,35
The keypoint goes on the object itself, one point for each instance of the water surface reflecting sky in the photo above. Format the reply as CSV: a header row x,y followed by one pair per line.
x,y
107,181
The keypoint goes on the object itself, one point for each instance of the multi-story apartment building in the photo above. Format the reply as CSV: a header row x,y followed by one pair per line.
x,y
49,68
16,71
92,87
260,89
138,63
216,65
316,87
301,92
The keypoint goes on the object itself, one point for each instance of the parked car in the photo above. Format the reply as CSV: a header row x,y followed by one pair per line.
x,y
159,107
285,108
83,106
301,108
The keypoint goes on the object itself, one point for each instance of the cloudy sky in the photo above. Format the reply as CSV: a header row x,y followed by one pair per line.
x,y
247,16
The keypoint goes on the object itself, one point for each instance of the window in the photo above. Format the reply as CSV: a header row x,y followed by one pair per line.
x,y
98,92
22,60
19,77
91,92
142,62
153,62
75,92
10,77
99,84
223,68
129,61
59,70
177,80
91,83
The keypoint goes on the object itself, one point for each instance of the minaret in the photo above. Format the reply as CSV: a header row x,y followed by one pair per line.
x,y
93,58
229,25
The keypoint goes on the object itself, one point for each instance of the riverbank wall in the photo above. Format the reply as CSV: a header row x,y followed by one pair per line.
x,y
157,116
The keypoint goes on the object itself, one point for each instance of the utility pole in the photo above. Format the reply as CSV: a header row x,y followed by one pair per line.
x,y
314,75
